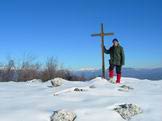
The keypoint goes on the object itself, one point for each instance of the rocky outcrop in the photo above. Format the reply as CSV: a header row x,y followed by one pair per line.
x,y
57,82
128,110
63,115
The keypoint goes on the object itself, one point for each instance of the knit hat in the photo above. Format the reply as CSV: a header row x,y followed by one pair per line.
x,y
115,40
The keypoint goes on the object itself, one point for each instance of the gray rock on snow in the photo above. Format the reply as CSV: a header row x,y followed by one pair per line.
x,y
92,86
79,90
125,88
57,82
63,115
127,111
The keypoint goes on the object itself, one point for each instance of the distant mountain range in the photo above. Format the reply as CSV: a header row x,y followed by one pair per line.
x,y
151,74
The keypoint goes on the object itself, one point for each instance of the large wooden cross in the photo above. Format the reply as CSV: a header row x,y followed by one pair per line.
x,y
102,34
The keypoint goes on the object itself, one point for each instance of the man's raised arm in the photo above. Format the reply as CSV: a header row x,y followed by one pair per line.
x,y
106,51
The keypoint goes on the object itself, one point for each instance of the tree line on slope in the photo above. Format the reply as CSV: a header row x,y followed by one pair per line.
x,y
28,70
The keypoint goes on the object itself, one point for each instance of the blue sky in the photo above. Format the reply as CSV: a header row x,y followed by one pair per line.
x,y
62,28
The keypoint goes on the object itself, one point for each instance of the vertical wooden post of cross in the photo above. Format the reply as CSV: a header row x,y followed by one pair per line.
x,y
102,34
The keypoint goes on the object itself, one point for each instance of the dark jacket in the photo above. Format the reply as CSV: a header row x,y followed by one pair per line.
x,y
117,56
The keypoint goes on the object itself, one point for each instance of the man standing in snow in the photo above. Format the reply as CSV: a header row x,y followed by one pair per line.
x,y
117,59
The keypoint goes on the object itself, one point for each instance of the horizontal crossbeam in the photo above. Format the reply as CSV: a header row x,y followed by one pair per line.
x,y
102,34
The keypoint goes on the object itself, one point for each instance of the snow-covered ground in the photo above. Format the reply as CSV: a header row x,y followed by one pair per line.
x,y
35,101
